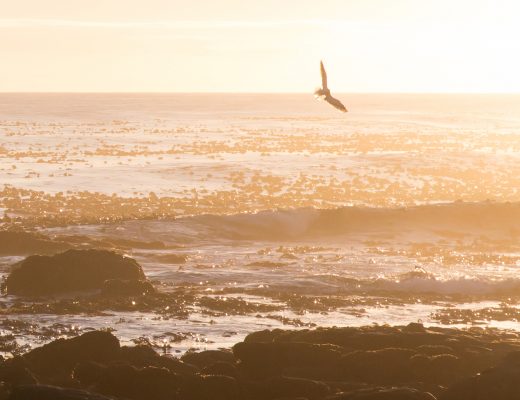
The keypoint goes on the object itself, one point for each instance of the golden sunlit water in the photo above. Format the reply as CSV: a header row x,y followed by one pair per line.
x,y
263,211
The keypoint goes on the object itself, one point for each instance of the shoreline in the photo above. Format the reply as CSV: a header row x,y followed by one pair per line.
x,y
371,362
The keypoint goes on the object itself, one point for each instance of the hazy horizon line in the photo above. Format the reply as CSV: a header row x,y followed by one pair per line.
x,y
256,92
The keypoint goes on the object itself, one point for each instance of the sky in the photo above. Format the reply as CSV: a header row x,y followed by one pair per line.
x,y
259,46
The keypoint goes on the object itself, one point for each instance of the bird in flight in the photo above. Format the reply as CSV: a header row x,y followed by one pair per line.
x,y
323,93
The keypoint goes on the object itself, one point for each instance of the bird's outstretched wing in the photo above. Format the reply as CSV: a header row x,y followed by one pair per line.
x,y
323,76
336,103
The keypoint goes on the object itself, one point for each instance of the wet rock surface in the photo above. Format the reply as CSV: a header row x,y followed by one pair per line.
x,y
368,363
499,383
45,392
71,271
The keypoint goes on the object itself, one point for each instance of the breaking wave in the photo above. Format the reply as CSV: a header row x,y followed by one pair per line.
x,y
309,222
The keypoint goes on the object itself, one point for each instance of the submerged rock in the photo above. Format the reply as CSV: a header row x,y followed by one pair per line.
x,y
73,270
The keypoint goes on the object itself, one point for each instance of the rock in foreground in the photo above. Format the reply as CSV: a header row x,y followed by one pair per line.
x,y
367,363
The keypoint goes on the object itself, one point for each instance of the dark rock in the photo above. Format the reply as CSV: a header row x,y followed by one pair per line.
x,y
291,398
362,338
144,356
286,365
393,393
434,350
444,368
41,392
58,358
119,287
379,355
414,327
177,366
88,372
211,387
280,387
4,391
511,360
268,359
15,372
378,366
221,368
138,356
139,384
117,380
498,383
73,270
265,336
205,358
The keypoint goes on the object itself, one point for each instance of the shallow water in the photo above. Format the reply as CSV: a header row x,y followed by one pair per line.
x,y
395,212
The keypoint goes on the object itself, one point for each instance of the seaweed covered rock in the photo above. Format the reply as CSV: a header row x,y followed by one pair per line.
x,y
70,271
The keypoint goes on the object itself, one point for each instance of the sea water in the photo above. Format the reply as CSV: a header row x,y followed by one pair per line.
x,y
275,210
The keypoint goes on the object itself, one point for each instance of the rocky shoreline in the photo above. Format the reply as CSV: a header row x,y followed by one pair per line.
x,y
373,362
377,362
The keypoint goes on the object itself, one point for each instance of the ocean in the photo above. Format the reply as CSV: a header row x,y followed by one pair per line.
x,y
265,211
